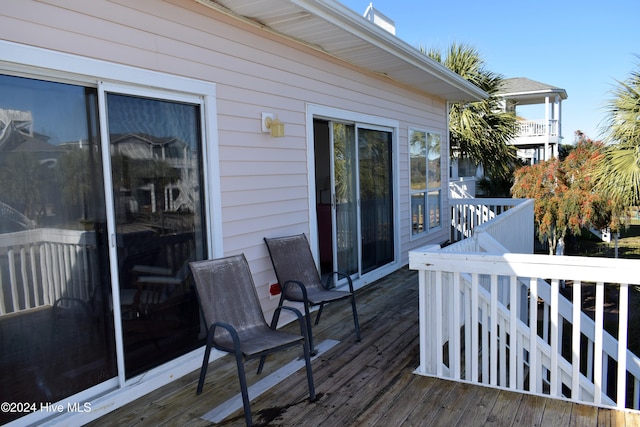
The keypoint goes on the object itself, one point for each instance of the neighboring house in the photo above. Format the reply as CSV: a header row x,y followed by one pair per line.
x,y
538,137
361,167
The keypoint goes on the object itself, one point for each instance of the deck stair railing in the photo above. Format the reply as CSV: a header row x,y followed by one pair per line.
x,y
478,301
468,213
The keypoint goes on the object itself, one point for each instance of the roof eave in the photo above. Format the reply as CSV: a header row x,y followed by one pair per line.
x,y
424,71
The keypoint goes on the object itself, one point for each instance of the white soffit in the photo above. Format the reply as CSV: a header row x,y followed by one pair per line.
x,y
331,27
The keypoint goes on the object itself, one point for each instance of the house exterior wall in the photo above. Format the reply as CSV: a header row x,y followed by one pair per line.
x,y
264,181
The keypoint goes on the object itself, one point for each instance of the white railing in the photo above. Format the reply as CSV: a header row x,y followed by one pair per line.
x,y
537,128
37,267
482,335
462,188
467,214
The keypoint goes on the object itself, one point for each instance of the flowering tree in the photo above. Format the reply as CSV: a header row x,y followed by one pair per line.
x,y
565,200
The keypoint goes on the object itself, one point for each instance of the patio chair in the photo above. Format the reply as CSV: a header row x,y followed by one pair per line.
x,y
235,320
300,281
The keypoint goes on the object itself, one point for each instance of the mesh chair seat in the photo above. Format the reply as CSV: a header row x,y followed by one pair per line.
x,y
315,296
256,341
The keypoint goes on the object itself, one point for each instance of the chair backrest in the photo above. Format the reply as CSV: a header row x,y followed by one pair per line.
x,y
227,293
292,260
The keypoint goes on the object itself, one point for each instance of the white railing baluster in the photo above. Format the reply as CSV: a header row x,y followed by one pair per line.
x,y
484,342
556,384
533,336
623,313
493,346
441,321
454,343
598,379
468,329
475,345
575,341
33,264
13,280
25,279
3,307
513,333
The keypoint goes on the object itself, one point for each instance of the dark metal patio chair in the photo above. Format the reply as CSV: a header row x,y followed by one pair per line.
x,y
235,320
300,281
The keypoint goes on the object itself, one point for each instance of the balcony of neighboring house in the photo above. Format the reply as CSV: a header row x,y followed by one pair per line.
x,y
538,107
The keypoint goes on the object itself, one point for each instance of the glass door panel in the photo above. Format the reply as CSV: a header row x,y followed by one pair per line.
x,y
56,322
345,198
376,198
156,171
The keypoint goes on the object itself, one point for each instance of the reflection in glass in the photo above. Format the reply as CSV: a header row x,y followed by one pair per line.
x,y
376,196
417,212
345,169
434,208
433,157
426,181
56,323
156,169
418,155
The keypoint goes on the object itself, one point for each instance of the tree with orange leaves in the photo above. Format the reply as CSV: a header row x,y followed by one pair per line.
x,y
565,200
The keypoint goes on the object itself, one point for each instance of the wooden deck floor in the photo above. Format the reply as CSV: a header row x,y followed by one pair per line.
x,y
367,383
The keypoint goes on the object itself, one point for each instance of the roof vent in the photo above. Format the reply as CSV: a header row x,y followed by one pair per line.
x,y
378,18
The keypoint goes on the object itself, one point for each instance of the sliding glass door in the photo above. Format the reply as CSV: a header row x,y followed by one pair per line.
x,y
155,172
362,197
376,198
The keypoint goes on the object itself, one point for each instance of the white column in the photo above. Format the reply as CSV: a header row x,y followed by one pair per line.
x,y
547,132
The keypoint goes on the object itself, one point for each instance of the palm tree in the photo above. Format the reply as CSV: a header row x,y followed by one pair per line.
x,y
619,174
479,130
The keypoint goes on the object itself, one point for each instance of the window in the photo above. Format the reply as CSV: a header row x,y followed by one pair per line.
x,y
426,185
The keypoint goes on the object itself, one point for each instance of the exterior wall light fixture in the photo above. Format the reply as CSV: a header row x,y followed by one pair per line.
x,y
272,125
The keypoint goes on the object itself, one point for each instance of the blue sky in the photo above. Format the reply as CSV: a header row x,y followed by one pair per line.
x,y
580,46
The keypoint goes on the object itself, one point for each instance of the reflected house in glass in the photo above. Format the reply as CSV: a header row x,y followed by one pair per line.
x,y
151,158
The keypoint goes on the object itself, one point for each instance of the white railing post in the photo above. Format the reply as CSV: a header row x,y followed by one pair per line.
x,y
623,309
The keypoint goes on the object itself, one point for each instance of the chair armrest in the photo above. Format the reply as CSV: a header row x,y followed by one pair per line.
x,y
303,329
230,329
288,283
339,274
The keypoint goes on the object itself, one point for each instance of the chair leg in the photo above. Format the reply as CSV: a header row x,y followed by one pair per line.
x,y
307,360
319,314
205,362
307,317
243,388
274,326
355,317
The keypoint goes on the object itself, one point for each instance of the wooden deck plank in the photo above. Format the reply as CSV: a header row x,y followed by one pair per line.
x,y
503,412
556,413
370,383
